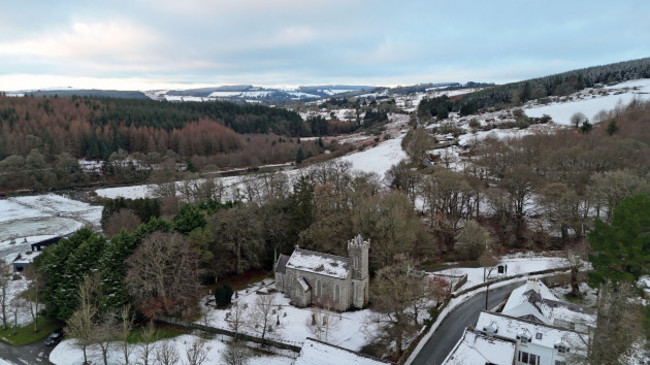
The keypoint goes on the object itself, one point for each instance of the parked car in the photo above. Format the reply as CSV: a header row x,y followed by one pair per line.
x,y
54,338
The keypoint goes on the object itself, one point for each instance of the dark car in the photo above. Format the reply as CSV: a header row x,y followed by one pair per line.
x,y
54,338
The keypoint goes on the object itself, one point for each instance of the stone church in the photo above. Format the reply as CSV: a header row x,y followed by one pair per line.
x,y
309,277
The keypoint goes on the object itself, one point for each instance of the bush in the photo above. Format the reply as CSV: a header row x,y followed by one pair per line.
x,y
223,295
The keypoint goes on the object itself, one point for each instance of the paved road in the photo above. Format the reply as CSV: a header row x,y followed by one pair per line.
x,y
451,328
36,353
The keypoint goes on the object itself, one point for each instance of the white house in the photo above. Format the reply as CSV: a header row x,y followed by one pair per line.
x,y
534,301
477,348
536,343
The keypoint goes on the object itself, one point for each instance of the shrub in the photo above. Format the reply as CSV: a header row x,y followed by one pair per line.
x,y
223,295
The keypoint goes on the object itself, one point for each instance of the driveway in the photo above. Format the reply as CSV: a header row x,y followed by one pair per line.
x,y
36,353
452,326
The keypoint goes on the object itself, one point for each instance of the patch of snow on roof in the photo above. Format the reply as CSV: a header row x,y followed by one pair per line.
x,y
518,296
510,327
318,353
319,263
475,348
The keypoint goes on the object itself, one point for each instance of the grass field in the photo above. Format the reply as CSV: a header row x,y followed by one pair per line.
x,y
26,335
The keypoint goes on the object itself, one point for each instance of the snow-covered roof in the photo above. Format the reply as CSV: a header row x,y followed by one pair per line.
x,y
535,300
319,263
26,258
519,295
539,334
478,348
314,352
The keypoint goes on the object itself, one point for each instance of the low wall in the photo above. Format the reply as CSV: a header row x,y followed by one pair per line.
x,y
291,346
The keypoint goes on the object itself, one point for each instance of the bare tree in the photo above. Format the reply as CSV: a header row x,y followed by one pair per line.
x,y
147,344
394,292
81,325
5,282
261,315
323,320
235,354
417,142
32,296
163,275
123,219
618,325
17,305
235,318
577,256
105,333
401,176
124,328
240,232
561,206
197,353
472,240
165,353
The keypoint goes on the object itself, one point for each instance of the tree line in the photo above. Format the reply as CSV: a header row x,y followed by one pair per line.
x,y
554,85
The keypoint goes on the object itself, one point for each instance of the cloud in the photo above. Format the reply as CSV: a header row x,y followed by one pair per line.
x,y
119,41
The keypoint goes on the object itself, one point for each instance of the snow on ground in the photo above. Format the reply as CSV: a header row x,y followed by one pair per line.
x,y
16,287
293,320
520,264
67,354
589,295
28,219
5,362
378,159
592,103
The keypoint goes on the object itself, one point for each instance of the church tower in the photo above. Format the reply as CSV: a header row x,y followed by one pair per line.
x,y
358,254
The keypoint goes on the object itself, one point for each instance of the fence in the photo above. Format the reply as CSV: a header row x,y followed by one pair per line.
x,y
284,345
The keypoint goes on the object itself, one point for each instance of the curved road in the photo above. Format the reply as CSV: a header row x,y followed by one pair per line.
x,y
36,353
451,328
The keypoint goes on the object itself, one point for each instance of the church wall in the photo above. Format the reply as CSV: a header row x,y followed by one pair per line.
x,y
327,288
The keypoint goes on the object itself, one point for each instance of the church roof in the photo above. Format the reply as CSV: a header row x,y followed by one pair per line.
x,y
282,264
319,263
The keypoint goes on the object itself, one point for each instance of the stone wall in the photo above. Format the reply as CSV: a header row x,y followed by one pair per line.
x,y
319,293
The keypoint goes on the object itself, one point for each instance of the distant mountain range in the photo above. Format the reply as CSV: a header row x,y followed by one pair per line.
x,y
244,93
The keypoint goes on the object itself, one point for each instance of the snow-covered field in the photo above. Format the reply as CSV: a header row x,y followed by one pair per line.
x,y
377,159
591,104
516,264
67,354
29,219
293,321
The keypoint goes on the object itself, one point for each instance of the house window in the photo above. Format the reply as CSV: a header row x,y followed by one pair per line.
x,y
337,293
558,362
538,336
526,358
318,288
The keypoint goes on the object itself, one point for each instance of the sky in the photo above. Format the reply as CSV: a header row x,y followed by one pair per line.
x,y
182,44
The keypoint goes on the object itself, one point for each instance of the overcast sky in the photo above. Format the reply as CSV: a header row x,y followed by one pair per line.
x,y
151,44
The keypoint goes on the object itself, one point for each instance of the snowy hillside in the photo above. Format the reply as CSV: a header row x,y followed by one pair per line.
x,y
592,101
